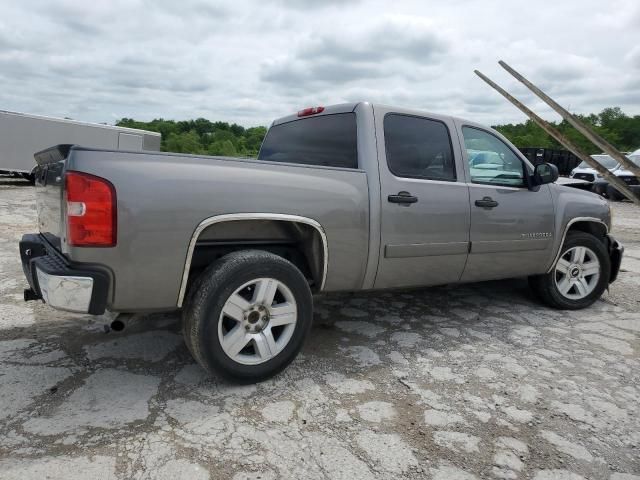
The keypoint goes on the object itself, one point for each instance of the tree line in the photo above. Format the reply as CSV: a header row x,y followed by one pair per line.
x,y
618,128
204,137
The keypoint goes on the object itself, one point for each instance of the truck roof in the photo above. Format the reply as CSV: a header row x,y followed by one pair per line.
x,y
77,122
339,108
350,107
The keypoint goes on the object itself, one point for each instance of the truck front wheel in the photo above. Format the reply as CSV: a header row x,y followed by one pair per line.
x,y
580,275
248,316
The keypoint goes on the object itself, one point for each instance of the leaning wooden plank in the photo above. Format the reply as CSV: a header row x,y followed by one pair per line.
x,y
573,120
568,144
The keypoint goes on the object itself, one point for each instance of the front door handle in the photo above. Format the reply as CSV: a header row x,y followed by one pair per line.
x,y
402,197
486,202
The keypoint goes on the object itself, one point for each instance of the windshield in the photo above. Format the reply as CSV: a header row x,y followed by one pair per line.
x,y
635,158
605,160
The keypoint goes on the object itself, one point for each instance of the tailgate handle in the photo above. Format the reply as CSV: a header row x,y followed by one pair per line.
x,y
402,197
486,202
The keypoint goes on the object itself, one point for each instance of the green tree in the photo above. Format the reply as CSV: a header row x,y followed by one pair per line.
x,y
223,148
187,142
611,123
202,136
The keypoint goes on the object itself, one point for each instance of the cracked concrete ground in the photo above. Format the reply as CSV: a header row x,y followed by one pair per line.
x,y
476,381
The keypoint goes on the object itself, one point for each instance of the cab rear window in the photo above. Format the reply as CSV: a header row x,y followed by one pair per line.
x,y
327,140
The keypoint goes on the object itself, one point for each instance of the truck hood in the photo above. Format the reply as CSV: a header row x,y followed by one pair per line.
x,y
572,181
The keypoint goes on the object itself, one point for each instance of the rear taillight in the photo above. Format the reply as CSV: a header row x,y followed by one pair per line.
x,y
91,210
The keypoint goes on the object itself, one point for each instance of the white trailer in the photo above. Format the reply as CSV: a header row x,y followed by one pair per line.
x,y
22,135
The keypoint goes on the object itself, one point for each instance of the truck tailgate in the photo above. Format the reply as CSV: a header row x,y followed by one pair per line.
x,y
49,192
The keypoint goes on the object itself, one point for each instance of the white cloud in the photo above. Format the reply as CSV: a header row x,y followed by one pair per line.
x,y
249,61
633,57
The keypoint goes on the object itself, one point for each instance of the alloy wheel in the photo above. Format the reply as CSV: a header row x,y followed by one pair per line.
x,y
577,273
257,321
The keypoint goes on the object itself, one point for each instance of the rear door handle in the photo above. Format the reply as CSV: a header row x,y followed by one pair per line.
x,y
402,197
486,202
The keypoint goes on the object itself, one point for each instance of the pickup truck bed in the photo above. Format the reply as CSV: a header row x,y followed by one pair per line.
x,y
172,195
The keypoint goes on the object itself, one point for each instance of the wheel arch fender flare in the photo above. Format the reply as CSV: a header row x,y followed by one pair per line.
x,y
233,217
599,223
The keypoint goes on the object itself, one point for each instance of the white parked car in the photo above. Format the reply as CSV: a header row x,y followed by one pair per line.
x,y
585,172
601,185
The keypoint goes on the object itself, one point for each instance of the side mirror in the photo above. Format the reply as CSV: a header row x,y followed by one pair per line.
x,y
545,173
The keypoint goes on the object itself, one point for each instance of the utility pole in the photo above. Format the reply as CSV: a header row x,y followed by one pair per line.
x,y
568,144
573,120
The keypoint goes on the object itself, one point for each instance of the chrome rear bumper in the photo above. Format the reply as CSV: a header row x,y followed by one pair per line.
x,y
61,284
64,292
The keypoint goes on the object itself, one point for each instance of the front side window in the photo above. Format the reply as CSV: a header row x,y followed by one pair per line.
x,y
490,160
328,140
418,148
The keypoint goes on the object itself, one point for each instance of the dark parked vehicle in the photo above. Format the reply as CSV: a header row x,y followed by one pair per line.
x,y
563,159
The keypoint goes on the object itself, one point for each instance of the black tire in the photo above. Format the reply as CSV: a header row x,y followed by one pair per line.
x,y
614,194
545,288
186,321
206,299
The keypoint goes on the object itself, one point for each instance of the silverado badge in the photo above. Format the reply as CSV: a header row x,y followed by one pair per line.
x,y
537,235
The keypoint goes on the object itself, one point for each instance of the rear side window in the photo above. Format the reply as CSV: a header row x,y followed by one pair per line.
x,y
418,148
329,140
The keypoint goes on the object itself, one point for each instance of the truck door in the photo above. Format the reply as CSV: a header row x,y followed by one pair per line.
x,y
511,226
424,200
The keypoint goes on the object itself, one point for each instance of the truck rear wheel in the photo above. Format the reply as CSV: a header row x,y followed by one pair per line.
x,y
248,315
580,275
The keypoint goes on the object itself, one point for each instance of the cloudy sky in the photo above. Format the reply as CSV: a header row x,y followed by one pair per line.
x,y
252,61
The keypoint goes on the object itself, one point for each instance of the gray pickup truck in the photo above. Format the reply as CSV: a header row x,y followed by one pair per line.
x,y
343,198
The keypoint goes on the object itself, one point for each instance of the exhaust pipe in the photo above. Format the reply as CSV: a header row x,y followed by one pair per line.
x,y
120,322
117,325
